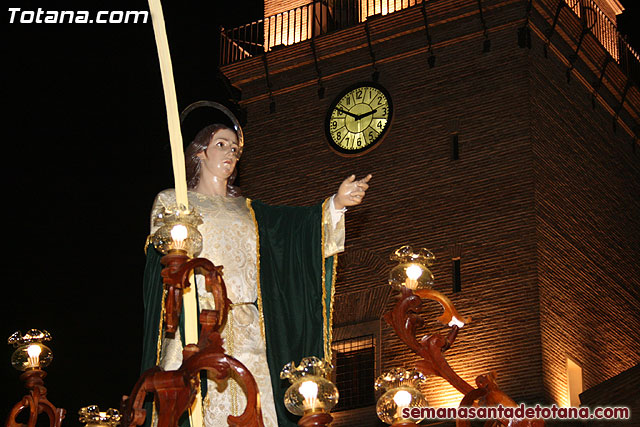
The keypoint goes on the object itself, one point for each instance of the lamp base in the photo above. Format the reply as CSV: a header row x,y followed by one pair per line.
x,y
35,402
318,419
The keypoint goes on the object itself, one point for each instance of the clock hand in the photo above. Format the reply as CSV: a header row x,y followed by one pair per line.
x,y
362,116
355,116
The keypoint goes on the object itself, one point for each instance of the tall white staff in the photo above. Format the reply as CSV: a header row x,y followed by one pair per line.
x,y
179,174
175,136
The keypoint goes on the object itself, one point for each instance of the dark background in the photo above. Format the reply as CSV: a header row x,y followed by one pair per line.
x,y
86,150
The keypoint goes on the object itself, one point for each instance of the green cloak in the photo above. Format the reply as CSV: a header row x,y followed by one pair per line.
x,y
295,293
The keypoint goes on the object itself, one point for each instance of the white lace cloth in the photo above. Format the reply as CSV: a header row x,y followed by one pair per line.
x,y
229,239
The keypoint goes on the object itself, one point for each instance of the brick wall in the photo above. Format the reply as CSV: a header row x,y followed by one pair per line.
x,y
539,207
273,7
587,186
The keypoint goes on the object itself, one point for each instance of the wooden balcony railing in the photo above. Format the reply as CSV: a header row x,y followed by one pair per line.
x,y
607,33
323,16
300,24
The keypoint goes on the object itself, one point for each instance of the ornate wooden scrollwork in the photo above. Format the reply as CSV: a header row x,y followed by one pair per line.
x,y
489,394
405,320
36,401
175,391
175,277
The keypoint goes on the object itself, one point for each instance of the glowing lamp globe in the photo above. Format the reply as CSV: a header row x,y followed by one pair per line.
x,y
91,416
178,231
412,270
400,389
30,352
310,391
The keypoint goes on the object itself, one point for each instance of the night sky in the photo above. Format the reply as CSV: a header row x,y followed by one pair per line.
x,y
86,152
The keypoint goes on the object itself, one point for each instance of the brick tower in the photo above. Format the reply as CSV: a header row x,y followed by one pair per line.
x,y
512,154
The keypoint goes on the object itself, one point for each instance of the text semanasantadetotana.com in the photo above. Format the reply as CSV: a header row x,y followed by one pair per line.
x,y
522,411
40,16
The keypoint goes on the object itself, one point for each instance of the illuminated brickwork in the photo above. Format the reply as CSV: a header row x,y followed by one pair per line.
x,y
541,206
273,7
586,202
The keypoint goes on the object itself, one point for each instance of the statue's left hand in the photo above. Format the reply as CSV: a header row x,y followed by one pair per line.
x,y
351,192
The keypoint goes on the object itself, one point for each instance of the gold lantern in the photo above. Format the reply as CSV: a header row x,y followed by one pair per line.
x,y
310,391
91,416
178,231
401,389
412,270
30,352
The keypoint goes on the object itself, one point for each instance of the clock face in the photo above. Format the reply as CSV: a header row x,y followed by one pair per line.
x,y
358,119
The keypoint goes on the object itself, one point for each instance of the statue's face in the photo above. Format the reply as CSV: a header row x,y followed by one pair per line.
x,y
220,158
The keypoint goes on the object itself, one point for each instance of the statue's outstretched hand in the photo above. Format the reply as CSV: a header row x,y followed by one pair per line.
x,y
351,192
